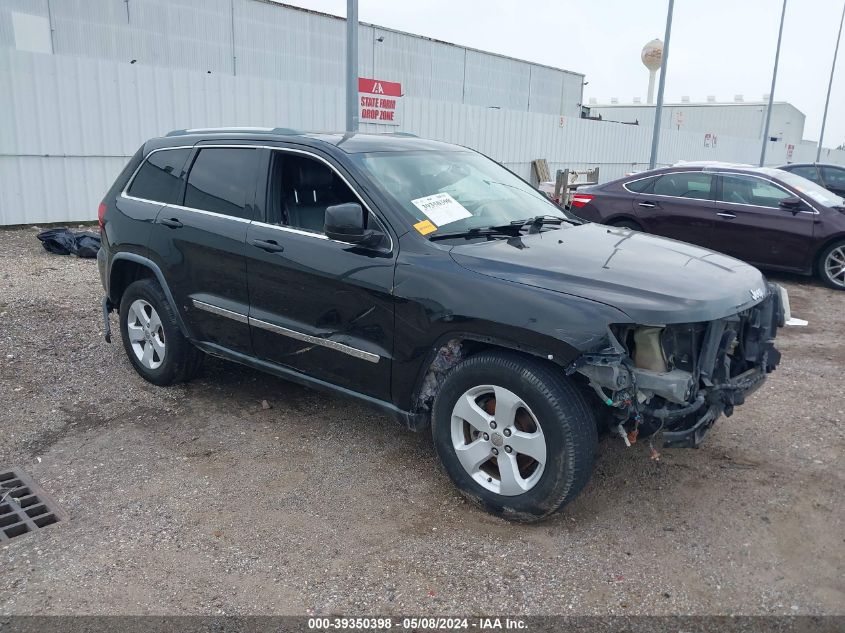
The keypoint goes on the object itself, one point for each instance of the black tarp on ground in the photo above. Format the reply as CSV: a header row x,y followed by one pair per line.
x,y
63,241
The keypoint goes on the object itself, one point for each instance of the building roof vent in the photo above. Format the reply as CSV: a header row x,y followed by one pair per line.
x,y
711,98
685,99
637,100
614,100
738,99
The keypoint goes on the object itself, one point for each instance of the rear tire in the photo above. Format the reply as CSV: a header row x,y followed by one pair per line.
x,y
151,336
832,265
515,436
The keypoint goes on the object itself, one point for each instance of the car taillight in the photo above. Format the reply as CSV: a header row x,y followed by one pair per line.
x,y
101,215
581,199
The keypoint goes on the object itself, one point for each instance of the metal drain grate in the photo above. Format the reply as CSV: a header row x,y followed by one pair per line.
x,y
24,507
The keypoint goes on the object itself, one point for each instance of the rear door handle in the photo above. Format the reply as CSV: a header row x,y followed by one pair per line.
x,y
173,223
647,205
729,216
268,245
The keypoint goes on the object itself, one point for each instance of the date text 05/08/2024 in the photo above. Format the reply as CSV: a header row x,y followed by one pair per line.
x,y
416,623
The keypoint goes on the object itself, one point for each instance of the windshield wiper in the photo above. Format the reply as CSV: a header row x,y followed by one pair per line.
x,y
512,229
506,230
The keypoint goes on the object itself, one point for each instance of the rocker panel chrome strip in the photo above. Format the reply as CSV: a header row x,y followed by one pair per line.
x,y
278,329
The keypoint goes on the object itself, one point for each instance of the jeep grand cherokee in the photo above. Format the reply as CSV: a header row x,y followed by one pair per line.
x,y
431,282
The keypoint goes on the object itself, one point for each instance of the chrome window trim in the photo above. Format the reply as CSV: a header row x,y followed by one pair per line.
x,y
663,195
215,214
711,174
345,181
289,229
769,180
278,329
321,236
124,194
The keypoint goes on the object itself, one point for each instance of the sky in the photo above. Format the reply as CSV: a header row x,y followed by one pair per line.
x,y
718,47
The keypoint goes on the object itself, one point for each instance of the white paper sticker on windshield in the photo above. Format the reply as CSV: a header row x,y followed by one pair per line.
x,y
441,208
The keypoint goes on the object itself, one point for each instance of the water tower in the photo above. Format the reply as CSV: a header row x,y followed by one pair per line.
x,y
652,56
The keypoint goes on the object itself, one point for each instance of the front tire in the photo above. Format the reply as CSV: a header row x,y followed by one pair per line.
x,y
514,435
151,337
832,265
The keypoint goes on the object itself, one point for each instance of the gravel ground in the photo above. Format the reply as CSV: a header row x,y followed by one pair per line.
x,y
195,499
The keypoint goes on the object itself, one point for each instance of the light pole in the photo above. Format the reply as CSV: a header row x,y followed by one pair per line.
x,y
351,65
830,85
772,91
658,109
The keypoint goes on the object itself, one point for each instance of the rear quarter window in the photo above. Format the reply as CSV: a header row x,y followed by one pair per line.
x,y
643,185
160,177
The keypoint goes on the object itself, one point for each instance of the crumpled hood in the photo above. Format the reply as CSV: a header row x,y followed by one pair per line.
x,y
653,280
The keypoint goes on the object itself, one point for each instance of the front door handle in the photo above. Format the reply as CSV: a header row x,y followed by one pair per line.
x,y
647,205
268,245
729,216
173,223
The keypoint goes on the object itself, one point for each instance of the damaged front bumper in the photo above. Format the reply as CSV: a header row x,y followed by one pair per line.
x,y
679,378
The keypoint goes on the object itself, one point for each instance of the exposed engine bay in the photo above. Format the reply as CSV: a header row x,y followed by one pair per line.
x,y
679,378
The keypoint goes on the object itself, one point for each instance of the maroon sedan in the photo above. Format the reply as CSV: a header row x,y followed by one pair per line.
x,y
767,217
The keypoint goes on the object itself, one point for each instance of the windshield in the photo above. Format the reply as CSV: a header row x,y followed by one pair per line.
x,y
449,192
811,189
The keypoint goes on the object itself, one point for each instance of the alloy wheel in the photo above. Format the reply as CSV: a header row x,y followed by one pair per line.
x,y
146,334
834,266
498,440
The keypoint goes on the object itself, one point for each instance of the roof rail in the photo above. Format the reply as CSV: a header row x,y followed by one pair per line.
x,y
284,131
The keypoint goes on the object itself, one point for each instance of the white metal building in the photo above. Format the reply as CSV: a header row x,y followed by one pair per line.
x,y
268,40
85,82
739,119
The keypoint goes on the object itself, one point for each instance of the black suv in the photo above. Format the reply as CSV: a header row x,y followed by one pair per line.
x,y
429,281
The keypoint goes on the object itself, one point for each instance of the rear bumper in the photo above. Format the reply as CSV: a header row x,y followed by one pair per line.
x,y
103,267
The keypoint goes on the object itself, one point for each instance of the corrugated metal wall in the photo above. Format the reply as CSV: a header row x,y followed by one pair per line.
x,y
71,119
70,124
730,119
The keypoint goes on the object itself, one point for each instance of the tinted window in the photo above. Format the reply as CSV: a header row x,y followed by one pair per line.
x,y
834,177
644,185
807,171
300,189
222,180
749,190
160,177
684,185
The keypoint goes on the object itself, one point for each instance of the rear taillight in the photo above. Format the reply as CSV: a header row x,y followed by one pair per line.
x,y
101,215
581,199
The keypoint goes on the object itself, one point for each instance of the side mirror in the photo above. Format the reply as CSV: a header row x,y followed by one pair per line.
x,y
793,204
347,223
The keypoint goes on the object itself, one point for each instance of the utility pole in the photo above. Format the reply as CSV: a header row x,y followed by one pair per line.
x,y
658,109
352,65
830,85
772,91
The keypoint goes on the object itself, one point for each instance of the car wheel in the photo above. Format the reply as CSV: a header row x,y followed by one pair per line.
x,y
627,224
832,265
151,337
516,437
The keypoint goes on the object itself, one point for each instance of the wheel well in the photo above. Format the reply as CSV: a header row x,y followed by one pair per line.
x,y
625,219
123,273
817,255
447,356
